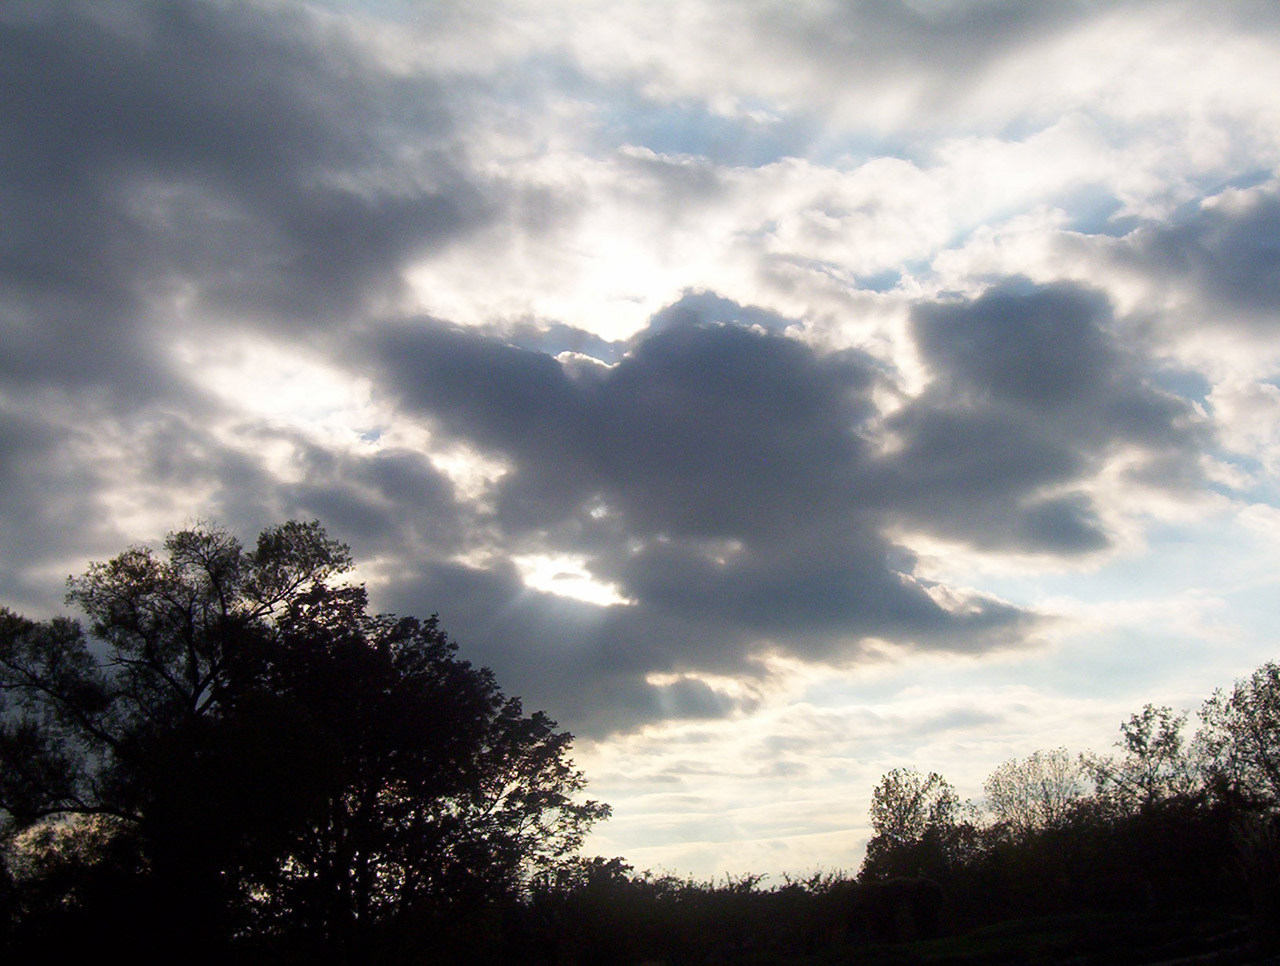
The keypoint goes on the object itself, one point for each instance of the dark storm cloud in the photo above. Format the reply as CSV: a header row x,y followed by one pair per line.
x,y
699,431
1029,393
586,665
229,156
169,171
717,475
554,338
1230,251
1038,349
1047,356
47,504
703,307
392,501
591,666
723,477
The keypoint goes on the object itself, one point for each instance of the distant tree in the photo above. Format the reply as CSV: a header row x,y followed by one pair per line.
x,y
281,758
1156,765
1035,792
920,826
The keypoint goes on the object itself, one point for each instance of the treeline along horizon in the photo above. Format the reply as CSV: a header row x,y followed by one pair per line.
x,y
237,760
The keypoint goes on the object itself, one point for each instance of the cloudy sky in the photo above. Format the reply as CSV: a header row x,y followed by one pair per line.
x,y
775,392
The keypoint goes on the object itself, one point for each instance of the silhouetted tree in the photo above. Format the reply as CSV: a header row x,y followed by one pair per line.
x,y
279,758
1035,792
449,793
1156,765
920,826
1240,737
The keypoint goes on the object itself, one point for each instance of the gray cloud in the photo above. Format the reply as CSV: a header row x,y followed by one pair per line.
x,y
1228,251
717,475
389,502
946,38
869,47
699,431
48,508
1042,349
173,171
1030,393
231,158
724,477
185,171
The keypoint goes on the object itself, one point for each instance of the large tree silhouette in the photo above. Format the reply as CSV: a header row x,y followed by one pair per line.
x,y
920,826
1241,737
237,730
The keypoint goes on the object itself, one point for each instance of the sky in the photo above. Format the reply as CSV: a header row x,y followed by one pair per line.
x,y
776,393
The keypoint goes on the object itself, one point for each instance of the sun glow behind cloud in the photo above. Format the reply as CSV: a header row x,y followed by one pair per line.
x,y
566,575
776,392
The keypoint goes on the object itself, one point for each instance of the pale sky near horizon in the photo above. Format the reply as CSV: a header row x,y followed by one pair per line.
x,y
774,392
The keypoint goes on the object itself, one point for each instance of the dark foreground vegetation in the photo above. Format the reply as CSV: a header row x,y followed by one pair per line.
x,y
237,762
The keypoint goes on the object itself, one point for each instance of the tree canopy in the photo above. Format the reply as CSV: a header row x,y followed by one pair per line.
x,y
1035,792
1241,736
919,824
237,728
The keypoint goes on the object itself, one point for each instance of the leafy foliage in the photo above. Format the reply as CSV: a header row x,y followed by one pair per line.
x,y
276,755
920,825
1036,792
1241,736
1156,766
